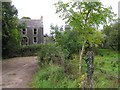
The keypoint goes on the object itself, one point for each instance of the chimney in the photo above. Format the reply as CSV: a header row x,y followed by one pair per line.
x,y
41,18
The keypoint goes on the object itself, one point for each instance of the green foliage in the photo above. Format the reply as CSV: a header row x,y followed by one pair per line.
x,y
85,17
72,67
68,39
52,76
10,34
52,53
106,69
30,50
111,35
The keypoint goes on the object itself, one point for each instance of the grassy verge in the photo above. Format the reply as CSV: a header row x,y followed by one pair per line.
x,y
106,69
105,73
51,76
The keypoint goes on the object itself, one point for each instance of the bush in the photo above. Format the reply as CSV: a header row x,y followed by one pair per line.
x,y
30,50
72,67
44,51
69,40
52,76
52,53
47,76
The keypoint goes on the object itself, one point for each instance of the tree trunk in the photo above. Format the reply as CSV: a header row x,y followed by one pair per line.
x,y
90,67
81,54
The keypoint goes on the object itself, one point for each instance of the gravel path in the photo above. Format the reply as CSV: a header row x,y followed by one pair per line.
x,y
18,72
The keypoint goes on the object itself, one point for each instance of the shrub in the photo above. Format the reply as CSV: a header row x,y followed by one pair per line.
x,y
52,76
69,40
52,53
48,76
71,68
30,50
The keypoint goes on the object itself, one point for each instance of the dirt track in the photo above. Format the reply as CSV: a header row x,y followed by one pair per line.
x,y
18,72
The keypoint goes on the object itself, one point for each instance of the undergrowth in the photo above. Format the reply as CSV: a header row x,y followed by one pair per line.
x,y
52,76
105,73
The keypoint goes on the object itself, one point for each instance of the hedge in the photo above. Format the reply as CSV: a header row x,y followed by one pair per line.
x,y
30,50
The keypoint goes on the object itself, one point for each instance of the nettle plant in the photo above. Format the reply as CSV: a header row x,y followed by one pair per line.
x,y
85,17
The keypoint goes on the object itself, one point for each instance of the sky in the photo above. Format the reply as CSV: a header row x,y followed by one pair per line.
x,y
37,8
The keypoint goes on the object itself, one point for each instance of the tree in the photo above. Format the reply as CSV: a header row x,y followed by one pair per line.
x,y
111,35
85,17
10,33
68,39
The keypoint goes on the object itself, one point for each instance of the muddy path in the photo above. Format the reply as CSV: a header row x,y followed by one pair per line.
x,y
18,72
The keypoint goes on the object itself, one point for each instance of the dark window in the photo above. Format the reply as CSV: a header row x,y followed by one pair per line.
x,y
24,31
24,41
35,39
35,31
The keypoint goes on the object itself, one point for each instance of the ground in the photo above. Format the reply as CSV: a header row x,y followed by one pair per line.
x,y
18,72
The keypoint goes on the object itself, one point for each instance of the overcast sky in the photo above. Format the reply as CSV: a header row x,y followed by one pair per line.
x,y
37,8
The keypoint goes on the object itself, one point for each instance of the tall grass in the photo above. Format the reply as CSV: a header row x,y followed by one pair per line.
x,y
52,76
105,73
106,69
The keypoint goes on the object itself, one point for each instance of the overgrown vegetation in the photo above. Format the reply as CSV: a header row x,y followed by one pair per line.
x,y
10,33
68,39
83,36
63,62
111,35
105,73
52,76
30,50
52,53
106,69
85,17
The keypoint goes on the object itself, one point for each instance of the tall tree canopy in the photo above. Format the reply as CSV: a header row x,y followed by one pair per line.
x,y
10,33
85,17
